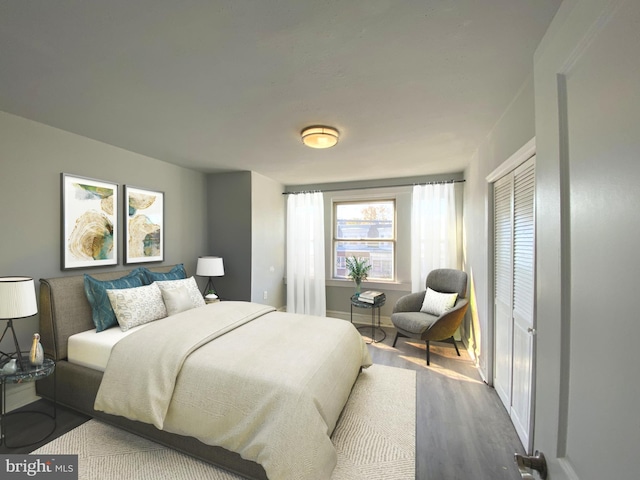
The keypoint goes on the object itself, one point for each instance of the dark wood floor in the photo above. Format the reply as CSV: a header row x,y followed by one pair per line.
x,y
463,431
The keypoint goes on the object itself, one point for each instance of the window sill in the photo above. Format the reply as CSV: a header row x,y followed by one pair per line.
x,y
369,285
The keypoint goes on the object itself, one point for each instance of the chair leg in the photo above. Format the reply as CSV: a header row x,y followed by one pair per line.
x,y
453,340
395,340
427,342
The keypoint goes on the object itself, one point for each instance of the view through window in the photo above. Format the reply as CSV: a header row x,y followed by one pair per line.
x,y
365,229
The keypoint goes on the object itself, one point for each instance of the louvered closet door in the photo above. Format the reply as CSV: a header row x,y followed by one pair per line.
x,y
523,298
514,288
503,287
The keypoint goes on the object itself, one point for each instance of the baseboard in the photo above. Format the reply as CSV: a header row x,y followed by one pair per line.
x,y
360,318
475,360
472,354
20,394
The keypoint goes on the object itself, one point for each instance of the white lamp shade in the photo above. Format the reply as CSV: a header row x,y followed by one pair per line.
x,y
210,267
17,297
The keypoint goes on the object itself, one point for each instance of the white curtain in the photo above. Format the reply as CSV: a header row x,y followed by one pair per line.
x,y
305,254
433,231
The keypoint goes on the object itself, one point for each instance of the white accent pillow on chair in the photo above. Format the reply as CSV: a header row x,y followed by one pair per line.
x,y
436,303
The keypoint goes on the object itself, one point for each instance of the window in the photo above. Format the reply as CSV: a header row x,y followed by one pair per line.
x,y
365,229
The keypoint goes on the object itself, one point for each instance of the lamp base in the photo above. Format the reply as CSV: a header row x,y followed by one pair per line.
x,y
209,288
6,357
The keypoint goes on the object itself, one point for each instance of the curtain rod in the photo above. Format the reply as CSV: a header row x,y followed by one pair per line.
x,y
369,188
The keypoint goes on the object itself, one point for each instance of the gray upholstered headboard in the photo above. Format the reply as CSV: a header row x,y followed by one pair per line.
x,y
65,310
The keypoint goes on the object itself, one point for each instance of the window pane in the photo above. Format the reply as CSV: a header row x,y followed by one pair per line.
x,y
379,254
365,220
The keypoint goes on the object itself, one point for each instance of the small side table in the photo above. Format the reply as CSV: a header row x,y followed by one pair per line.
x,y
28,373
379,302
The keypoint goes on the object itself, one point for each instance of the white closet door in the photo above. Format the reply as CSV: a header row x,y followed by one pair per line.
x,y
503,287
514,288
523,299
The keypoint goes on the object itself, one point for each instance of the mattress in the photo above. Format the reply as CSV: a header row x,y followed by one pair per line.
x,y
92,350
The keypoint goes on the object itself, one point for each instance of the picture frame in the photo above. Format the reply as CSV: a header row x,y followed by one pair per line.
x,y
143,225
89,222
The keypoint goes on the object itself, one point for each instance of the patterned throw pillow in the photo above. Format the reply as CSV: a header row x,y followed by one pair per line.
x,y
190,285
96,291
176,273
137,306
436,303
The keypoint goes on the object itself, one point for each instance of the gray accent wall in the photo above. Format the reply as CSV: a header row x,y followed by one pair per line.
x,y
33,155
245,217
228,222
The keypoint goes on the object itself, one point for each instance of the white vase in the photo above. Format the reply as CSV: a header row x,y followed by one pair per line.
x,y
36,355
10,367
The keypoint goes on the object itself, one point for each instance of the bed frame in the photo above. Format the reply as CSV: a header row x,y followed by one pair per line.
x,y
65,311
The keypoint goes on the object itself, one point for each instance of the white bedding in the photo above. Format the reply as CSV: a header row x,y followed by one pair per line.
x,y
267,385
92,350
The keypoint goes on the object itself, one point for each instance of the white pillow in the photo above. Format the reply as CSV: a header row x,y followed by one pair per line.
x,y
136,306
176,299
189,284
436,303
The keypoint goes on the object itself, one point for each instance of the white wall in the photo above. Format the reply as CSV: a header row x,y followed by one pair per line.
x,y
513,130
268,241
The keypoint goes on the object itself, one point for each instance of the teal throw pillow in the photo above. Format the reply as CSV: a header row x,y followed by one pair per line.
x,y
96,291
176,273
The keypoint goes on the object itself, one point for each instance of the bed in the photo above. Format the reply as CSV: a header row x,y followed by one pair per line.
x,y
255,391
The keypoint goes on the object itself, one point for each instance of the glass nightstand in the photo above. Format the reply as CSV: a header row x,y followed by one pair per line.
x,y
375,306
28,373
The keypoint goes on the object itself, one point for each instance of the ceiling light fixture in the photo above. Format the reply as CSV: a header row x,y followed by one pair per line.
x,y
319,137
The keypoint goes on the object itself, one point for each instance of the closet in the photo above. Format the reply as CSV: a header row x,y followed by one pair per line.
x,y
514,293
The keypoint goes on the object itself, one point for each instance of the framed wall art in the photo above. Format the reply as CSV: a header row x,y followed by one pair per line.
x,y
89,227
143,225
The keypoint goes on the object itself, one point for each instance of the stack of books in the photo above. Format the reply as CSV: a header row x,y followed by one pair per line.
x,y
370,296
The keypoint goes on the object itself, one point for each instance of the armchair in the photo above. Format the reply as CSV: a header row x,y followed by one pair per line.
x,y
411,322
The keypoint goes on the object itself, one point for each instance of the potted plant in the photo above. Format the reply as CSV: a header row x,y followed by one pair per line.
x,y
358,269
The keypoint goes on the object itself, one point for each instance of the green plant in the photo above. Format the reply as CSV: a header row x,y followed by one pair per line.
x,y
358,268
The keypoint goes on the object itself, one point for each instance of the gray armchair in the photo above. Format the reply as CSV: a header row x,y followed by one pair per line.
x,y
411,322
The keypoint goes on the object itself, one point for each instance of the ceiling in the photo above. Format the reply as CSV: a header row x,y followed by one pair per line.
x,y
413,86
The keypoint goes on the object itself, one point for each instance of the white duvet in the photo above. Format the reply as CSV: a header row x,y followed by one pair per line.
x,y
265,384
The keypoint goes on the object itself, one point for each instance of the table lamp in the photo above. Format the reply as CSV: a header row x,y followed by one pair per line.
x,y
210,267
17,300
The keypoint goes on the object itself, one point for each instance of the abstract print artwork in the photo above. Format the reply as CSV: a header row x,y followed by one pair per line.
x,y
144,225
89,222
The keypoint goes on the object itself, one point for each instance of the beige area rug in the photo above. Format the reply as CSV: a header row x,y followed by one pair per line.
x,y
375,439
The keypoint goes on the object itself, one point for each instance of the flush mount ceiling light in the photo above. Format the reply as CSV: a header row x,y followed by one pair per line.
x,y
319,137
